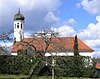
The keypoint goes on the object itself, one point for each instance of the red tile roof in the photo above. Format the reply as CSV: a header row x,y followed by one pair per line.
x,y
61,44
98,66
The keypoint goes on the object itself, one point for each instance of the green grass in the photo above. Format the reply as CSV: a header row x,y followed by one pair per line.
x,y
44,77
74,78
5,76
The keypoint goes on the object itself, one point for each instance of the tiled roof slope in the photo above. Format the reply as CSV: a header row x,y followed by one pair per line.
x,y
97,63
58,44
98,66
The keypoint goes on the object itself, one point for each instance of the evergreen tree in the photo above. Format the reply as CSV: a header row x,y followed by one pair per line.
x,y
76,52
77,60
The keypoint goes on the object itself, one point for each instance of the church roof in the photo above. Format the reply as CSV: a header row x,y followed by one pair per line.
x,y
97,65
19,16
58,44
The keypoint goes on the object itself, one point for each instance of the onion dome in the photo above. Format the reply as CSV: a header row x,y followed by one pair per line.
x,y
19,16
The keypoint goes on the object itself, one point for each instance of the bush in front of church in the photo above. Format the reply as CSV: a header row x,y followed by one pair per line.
x,y
15,64
64,66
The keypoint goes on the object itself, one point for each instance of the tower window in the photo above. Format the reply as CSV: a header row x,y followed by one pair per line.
x,y
21,25
17,25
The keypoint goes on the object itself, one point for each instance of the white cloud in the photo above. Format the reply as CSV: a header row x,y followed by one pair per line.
x,y
27,35
51,17
92,6
96,54
91,35
35,11
71,22
33,4
66,29
29,4
24,3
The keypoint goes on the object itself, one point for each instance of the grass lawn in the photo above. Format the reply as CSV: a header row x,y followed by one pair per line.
x,y
44,77
4,76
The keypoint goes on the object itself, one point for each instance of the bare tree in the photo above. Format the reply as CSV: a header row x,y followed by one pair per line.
x,y
5,38
48,38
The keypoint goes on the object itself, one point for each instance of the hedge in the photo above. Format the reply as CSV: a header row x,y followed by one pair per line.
x,y
65,66
15,64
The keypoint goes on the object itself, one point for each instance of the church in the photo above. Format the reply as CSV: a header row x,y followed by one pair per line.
x,y
57,46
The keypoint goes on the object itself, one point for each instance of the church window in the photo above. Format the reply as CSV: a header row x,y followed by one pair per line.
x,y
17,25
21,25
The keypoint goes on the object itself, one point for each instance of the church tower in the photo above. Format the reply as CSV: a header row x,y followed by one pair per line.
x,y
18,26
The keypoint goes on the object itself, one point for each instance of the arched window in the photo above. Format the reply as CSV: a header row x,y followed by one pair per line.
x,y
17,25
21,25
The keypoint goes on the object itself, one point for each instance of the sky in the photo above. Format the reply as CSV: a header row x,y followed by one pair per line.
x,y
68,17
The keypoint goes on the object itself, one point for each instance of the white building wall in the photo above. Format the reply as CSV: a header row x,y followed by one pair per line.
x,y
86,54
68,54
15,54
63,54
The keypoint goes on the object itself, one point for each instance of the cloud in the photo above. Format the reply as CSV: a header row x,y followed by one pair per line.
x,y
96,54
36,13
66,29
71,22
51,17
91,6
91,35
27,35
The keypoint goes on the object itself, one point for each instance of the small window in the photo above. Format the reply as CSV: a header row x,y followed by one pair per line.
x,y
15,25
21,25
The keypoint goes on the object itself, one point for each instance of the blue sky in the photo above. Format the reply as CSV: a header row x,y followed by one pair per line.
x,y
68,17
69,10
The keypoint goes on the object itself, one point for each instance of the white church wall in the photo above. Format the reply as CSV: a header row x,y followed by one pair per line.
x,y
86,54
63,54
15,54
68,54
